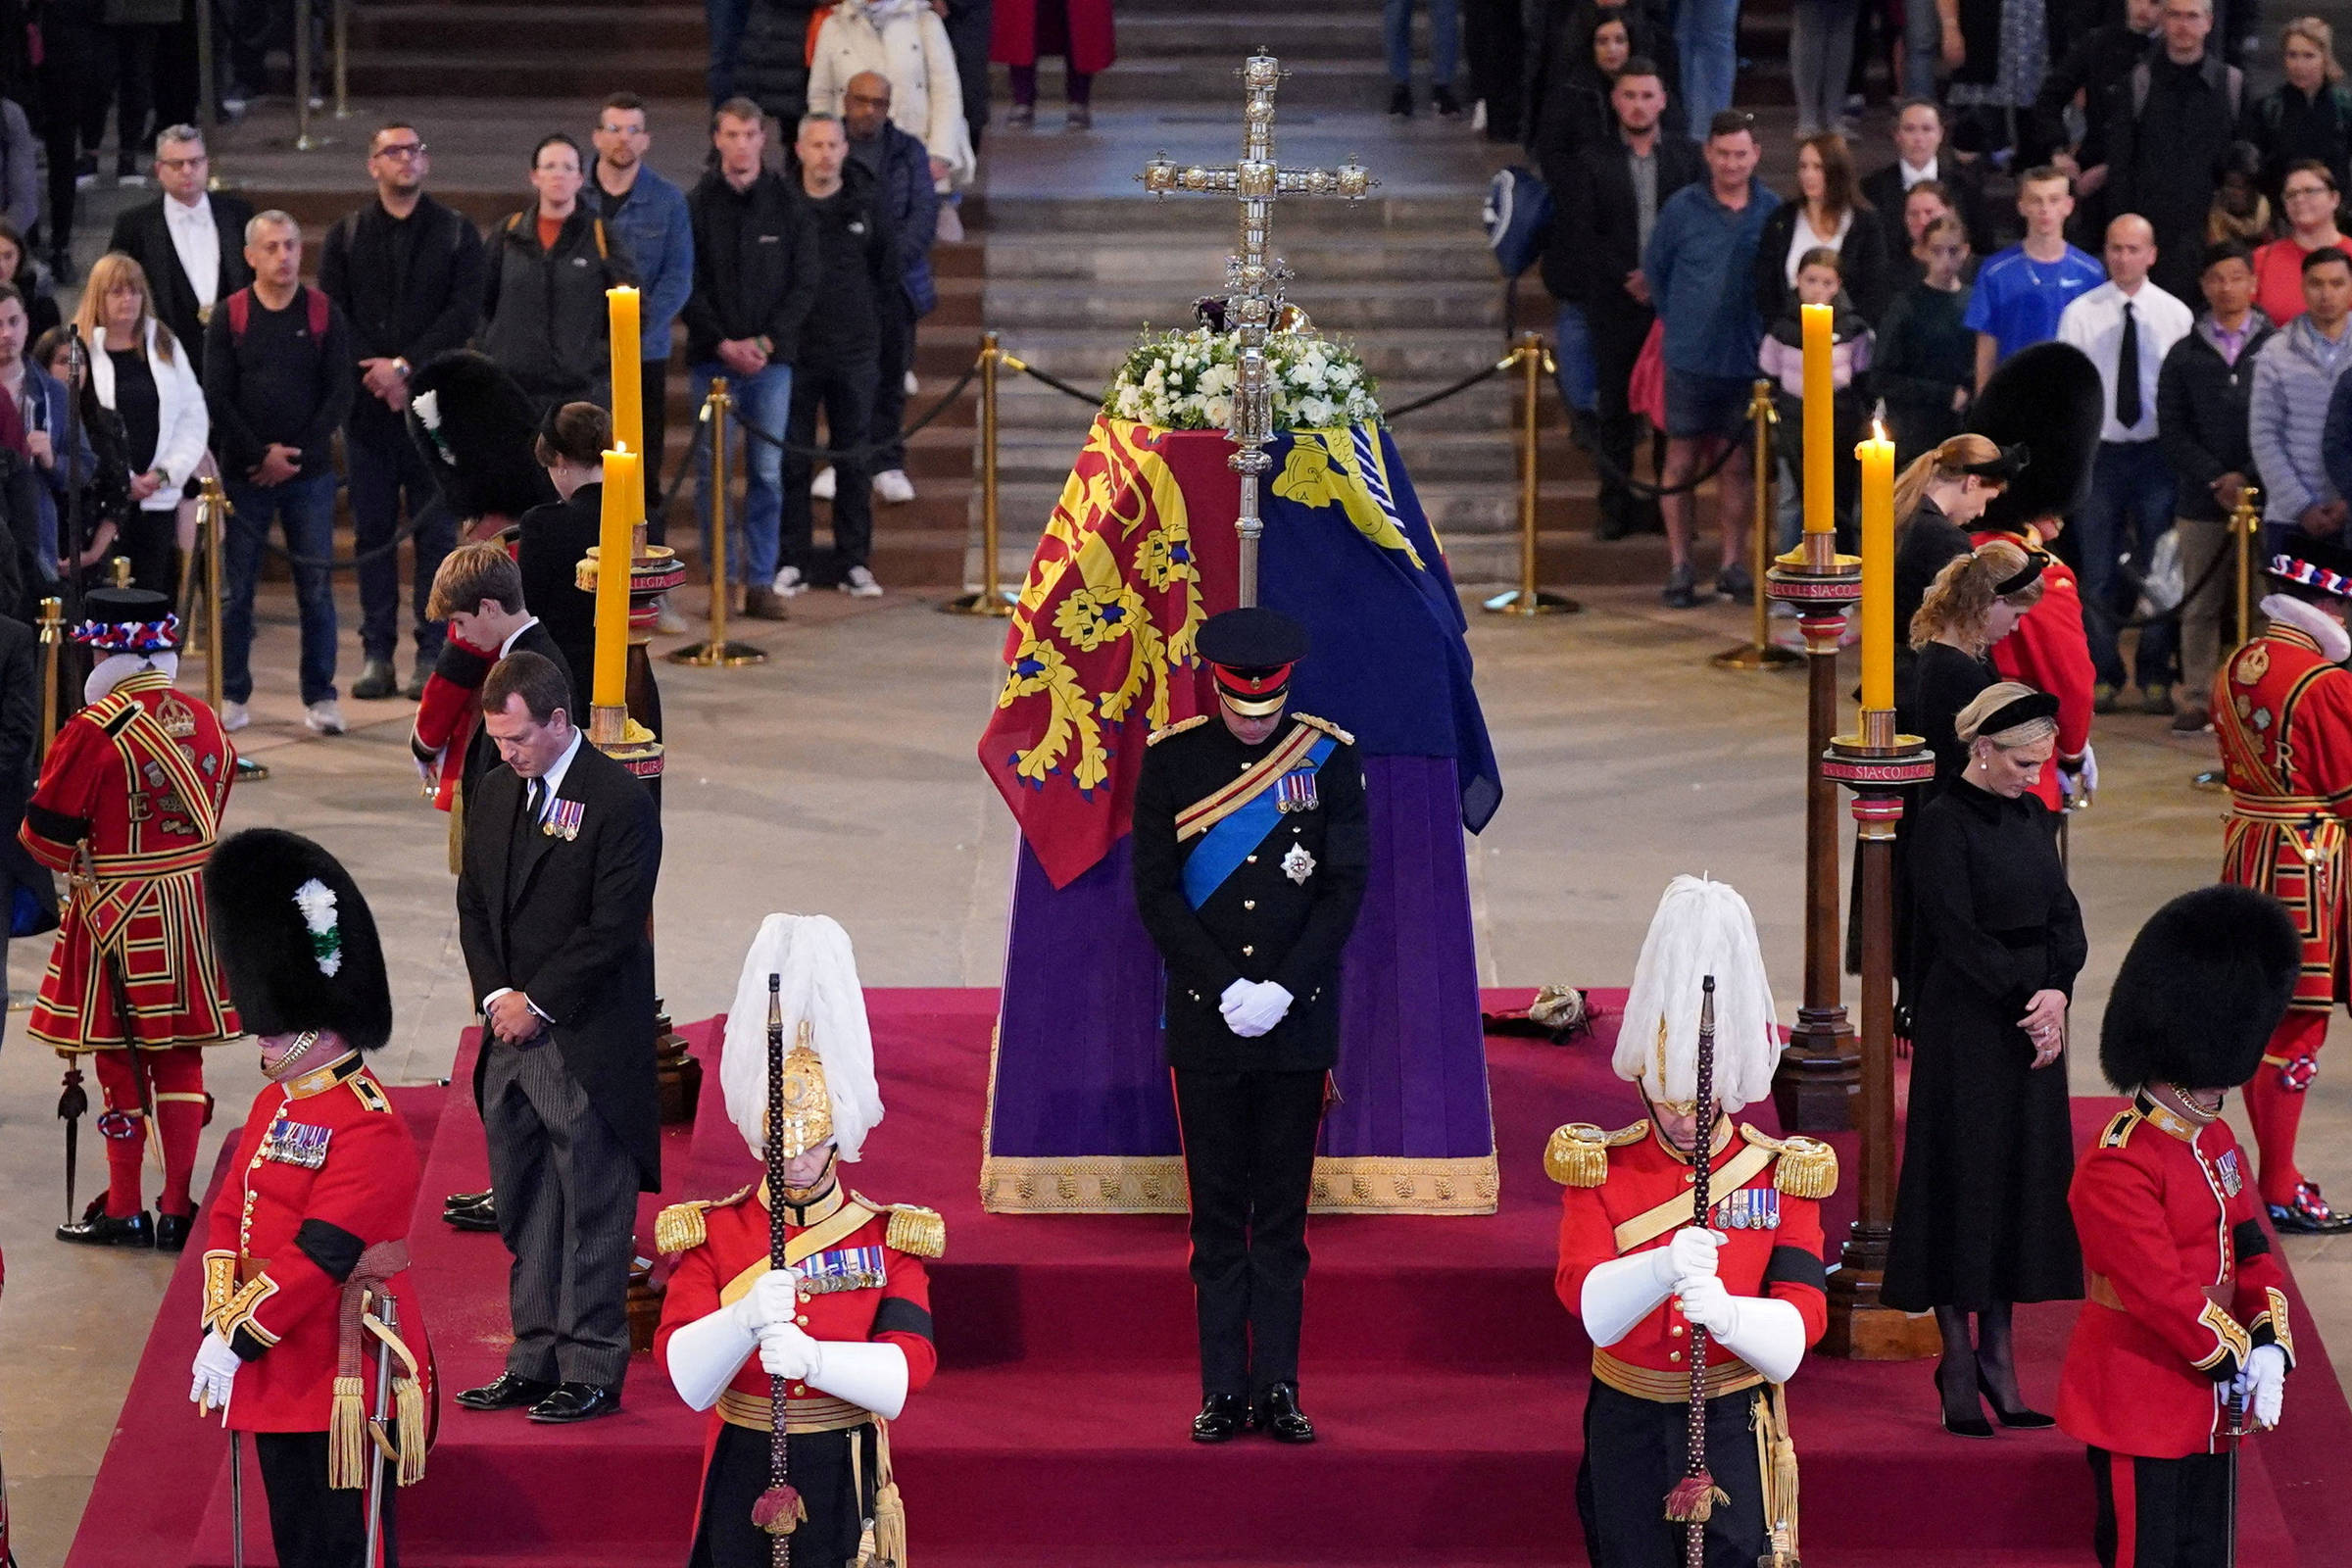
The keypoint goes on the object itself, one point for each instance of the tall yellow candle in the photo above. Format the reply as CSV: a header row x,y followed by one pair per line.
x,y
1877,457
613,554
1821,496
628,385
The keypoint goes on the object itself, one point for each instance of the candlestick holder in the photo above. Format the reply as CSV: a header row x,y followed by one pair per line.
x,y
1878,765
1820,1071
618,730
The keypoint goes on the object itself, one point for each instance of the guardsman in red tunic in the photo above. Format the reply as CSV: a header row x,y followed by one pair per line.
x,y
2282,714
848,1320
129,805
2051,652
1640,1275
2185,1328
306,1282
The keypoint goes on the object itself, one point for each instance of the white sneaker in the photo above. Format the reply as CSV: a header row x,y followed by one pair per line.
x,y
789,583
894,487
666,621
861,584
821,487
234,716
325,719
950,225
912,385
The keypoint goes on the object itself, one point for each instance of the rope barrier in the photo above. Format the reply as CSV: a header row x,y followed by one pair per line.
x,y
871,448
1456,390
1091,398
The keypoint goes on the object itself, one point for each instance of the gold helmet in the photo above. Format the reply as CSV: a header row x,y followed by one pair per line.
x,y
826,1093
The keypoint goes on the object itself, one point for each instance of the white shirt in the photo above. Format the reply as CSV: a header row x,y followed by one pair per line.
x,y
551,784
2093,322
507,646
1802,240
1913,176
197,239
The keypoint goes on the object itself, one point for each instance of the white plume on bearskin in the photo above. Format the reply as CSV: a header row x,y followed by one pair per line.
x,y
811,952
1702,927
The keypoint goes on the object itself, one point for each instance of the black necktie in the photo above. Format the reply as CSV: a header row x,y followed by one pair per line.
x,y
2127,372
533,796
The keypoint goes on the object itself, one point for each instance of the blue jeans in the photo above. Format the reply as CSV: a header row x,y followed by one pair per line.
x,y
304,508
1579,377
385,465
765,401
1444,41
728,18
2129,508
1821,56
1709,30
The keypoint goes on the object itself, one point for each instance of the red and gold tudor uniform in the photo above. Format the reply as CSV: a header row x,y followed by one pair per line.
x,y
2282,714
129,806
862,1268
2051,652
2183,1287
1628,1192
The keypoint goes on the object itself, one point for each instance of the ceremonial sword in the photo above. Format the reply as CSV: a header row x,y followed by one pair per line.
x,y
1695,1496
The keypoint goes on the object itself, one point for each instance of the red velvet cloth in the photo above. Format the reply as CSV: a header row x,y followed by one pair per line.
x,y
1023,29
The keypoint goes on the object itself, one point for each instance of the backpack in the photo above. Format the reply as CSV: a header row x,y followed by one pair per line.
x,y
240,312
1516,214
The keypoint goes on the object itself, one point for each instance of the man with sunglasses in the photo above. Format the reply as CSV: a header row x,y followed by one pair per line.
x,y
408,273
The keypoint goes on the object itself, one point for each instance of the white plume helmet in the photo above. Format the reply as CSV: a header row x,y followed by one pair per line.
x,y
819,973
1703,928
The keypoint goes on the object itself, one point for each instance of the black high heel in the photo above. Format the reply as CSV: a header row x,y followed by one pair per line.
x,y
1965,1426
2020,1420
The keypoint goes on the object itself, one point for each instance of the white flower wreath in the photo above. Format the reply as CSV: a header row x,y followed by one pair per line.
x,y
1186,380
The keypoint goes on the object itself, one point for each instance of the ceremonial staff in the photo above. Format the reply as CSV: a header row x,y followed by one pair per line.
x,y
779,1508
1695,1496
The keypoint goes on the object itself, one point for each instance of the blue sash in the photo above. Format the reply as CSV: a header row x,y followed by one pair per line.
x,y
1224,847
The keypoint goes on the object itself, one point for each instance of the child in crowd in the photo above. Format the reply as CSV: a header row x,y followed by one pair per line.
x,y
1926,368
1819,281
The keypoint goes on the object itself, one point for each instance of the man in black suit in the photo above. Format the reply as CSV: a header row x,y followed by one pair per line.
x,y
478,592
1606,200
190,241
1920,155
563,846
1250,854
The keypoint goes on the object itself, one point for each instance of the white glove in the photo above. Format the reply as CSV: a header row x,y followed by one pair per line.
x,y
772,1299
787,1351
216,1373
869,1375
2263,1386
1708,1305
2085,776
1767,1334
1235,995
1689,1254
1258,1011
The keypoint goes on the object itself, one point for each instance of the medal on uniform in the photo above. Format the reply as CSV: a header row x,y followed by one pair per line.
x,y
2227,1167
845,1268
564,820
1295,791
294,1143
1299,865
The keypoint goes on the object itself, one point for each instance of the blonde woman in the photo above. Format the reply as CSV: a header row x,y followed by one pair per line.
x,y
1938,500
1981,1217
1973,602
2309,115
141,375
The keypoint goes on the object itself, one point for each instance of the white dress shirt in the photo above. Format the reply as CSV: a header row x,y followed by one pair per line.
x,y
197,239
507,646
2093,322
550,783
1914,176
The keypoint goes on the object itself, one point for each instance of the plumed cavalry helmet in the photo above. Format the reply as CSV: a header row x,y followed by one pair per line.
x,y
2048,398
830,1095
476,427
1703,928
295,939
2206,981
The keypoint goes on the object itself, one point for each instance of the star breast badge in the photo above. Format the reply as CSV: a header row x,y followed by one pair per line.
x,y
1299,865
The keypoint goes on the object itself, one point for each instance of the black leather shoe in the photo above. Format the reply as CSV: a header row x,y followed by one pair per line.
x,y
1278,1415
1220,1418
171,1231
104,1230
481,1200
577,1402
2310,1214
2019,1420
471,1219
507,1392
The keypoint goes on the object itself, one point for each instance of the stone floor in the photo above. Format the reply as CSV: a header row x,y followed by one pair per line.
x,y
840,777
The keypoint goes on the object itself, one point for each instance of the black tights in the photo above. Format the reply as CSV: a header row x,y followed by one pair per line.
x,y
1991,1356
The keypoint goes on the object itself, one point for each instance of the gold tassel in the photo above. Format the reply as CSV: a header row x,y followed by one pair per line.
x,y
347,1438
916,1231
408,1408
1806,1169
1776,1455
890,1511
680,1226
1578,1154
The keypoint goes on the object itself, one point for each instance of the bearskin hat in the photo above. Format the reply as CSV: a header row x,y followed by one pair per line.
x,y
2206,981
295,939
476,427
2049,398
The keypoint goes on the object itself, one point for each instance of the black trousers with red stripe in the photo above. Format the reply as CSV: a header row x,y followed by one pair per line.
x,y
2161,1513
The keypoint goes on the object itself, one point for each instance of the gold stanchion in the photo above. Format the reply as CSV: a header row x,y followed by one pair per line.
x,y
342,59
1760,653
212,512
1534,364
992,601
53,638
304,71
716,652
2245,526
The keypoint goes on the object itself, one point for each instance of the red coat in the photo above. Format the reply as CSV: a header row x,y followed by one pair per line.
x,y
1773,1246
2283,716
446,716
140,777
323,1171
2051,652
872,1251
1014,37
2165,1210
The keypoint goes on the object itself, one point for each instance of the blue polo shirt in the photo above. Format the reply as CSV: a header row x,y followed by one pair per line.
x,y
1701,264
2018,299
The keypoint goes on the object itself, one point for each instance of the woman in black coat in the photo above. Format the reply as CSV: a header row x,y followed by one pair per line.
x,y
1981,1217
553,539
1828,212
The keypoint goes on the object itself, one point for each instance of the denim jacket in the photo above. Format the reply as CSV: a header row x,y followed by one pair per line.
x,y
652,226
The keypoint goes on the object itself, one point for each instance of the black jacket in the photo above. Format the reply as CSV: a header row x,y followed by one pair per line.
x,y
544,311
1595,229
2162,144
555,538
429,308
2289,127
1884,190
481,752
145,235
1261,923
1924,351
564,922
2201,413
755,267
1869,281
856,224
2094,63
259,392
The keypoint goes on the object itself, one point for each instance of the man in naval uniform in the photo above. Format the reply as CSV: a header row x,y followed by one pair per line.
x,y
1250,854
1641,1277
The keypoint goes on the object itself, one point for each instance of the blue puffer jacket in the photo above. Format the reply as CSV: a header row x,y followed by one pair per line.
x,y
905,184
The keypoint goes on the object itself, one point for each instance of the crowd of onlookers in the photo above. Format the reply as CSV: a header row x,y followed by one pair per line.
x,y
2178,226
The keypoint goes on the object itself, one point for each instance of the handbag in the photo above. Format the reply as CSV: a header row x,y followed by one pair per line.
x,y
1645,388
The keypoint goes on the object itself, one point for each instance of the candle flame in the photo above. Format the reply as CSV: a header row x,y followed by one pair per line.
x,y
1877,430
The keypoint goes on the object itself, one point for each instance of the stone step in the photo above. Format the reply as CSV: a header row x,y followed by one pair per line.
x,y
1433,353
1361,82
1024,405
1212,220
590,30
1449,253
1336,309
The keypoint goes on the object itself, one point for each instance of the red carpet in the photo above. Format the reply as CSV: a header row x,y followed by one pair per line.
x,y
1445,1378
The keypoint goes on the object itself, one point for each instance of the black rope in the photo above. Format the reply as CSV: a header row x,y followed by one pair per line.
x,y
871,448
1091,398
400,536
1580,431
1456,390
2138,582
